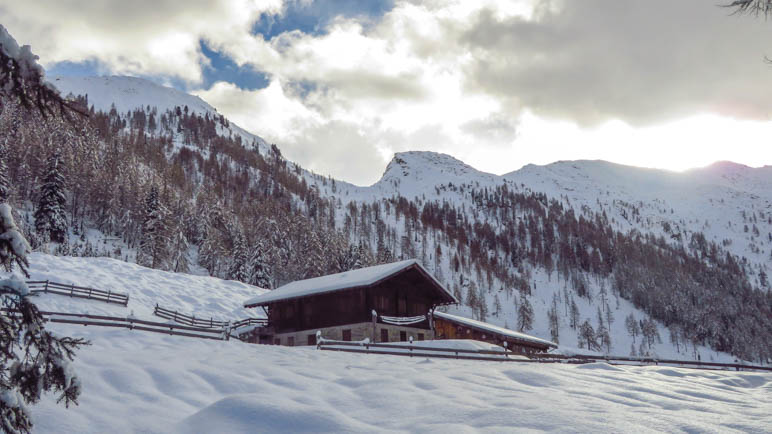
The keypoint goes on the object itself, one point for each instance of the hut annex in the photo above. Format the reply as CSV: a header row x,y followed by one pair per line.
x,y
385,303
447,326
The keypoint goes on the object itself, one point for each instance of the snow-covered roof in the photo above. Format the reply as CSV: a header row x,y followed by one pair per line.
x,y
340,281
493,329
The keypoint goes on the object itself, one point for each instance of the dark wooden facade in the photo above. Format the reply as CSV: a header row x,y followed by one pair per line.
x,y
410,292
448,329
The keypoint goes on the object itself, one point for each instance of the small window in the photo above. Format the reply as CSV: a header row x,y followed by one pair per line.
x,y
403,336
277,341
384,335
347,335
420,336
291,341
312,339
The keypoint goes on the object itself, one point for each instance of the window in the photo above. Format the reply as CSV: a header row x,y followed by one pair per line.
x,y
384,335
420,336
291,341
403,336
347,335
312,339
277,341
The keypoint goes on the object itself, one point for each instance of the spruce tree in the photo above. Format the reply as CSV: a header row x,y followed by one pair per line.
x,y
586,336
259,270
50,218
153,246
178,261
240,261
524,315
32,359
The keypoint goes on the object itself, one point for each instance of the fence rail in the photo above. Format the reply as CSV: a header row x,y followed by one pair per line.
x,y
48,287
485,355
191,320
131,324
249,322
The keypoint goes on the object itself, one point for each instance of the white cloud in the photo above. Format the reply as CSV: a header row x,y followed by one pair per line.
x,y
148,37
496,83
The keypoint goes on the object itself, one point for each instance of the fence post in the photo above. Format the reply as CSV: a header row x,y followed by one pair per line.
x,y
46,289
72,290
89,294
109,291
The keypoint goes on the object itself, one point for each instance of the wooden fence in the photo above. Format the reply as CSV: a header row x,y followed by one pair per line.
x,y
48,287
505,356
132,324
191,320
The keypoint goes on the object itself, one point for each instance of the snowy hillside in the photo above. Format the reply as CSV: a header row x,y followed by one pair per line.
x,y
131,93
719,200
145,382
201,296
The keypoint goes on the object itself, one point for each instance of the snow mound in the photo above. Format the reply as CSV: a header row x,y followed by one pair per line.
x,y
240,413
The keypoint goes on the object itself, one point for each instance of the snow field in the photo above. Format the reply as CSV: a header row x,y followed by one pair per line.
x,y
142,382
201,296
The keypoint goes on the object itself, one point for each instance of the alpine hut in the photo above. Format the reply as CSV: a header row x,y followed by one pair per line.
x,y
385,303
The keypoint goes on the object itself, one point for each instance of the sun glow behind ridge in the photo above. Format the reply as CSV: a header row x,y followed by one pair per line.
x,y
692,142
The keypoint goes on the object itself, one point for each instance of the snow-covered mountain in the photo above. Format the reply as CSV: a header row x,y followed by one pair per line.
x,y
130,93
728,204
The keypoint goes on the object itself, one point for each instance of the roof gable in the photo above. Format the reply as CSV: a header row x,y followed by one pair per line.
x,y
362,277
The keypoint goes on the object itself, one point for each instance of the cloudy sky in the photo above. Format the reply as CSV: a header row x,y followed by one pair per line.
x,y
340,85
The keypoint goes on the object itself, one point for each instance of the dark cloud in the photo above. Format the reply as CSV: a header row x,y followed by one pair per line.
x,y
641,61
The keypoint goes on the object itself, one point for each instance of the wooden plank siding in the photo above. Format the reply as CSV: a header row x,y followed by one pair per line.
x,y
408,293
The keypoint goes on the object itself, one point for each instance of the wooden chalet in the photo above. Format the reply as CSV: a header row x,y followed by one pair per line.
x,y
385,303
447,326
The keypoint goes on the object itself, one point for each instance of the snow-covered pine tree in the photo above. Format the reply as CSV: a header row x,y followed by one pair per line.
x,y
383,254
259,269
632,326
602,336
153,246
524,315
22,78
586,336
239,269
32,360
50,217
178,259
574,314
